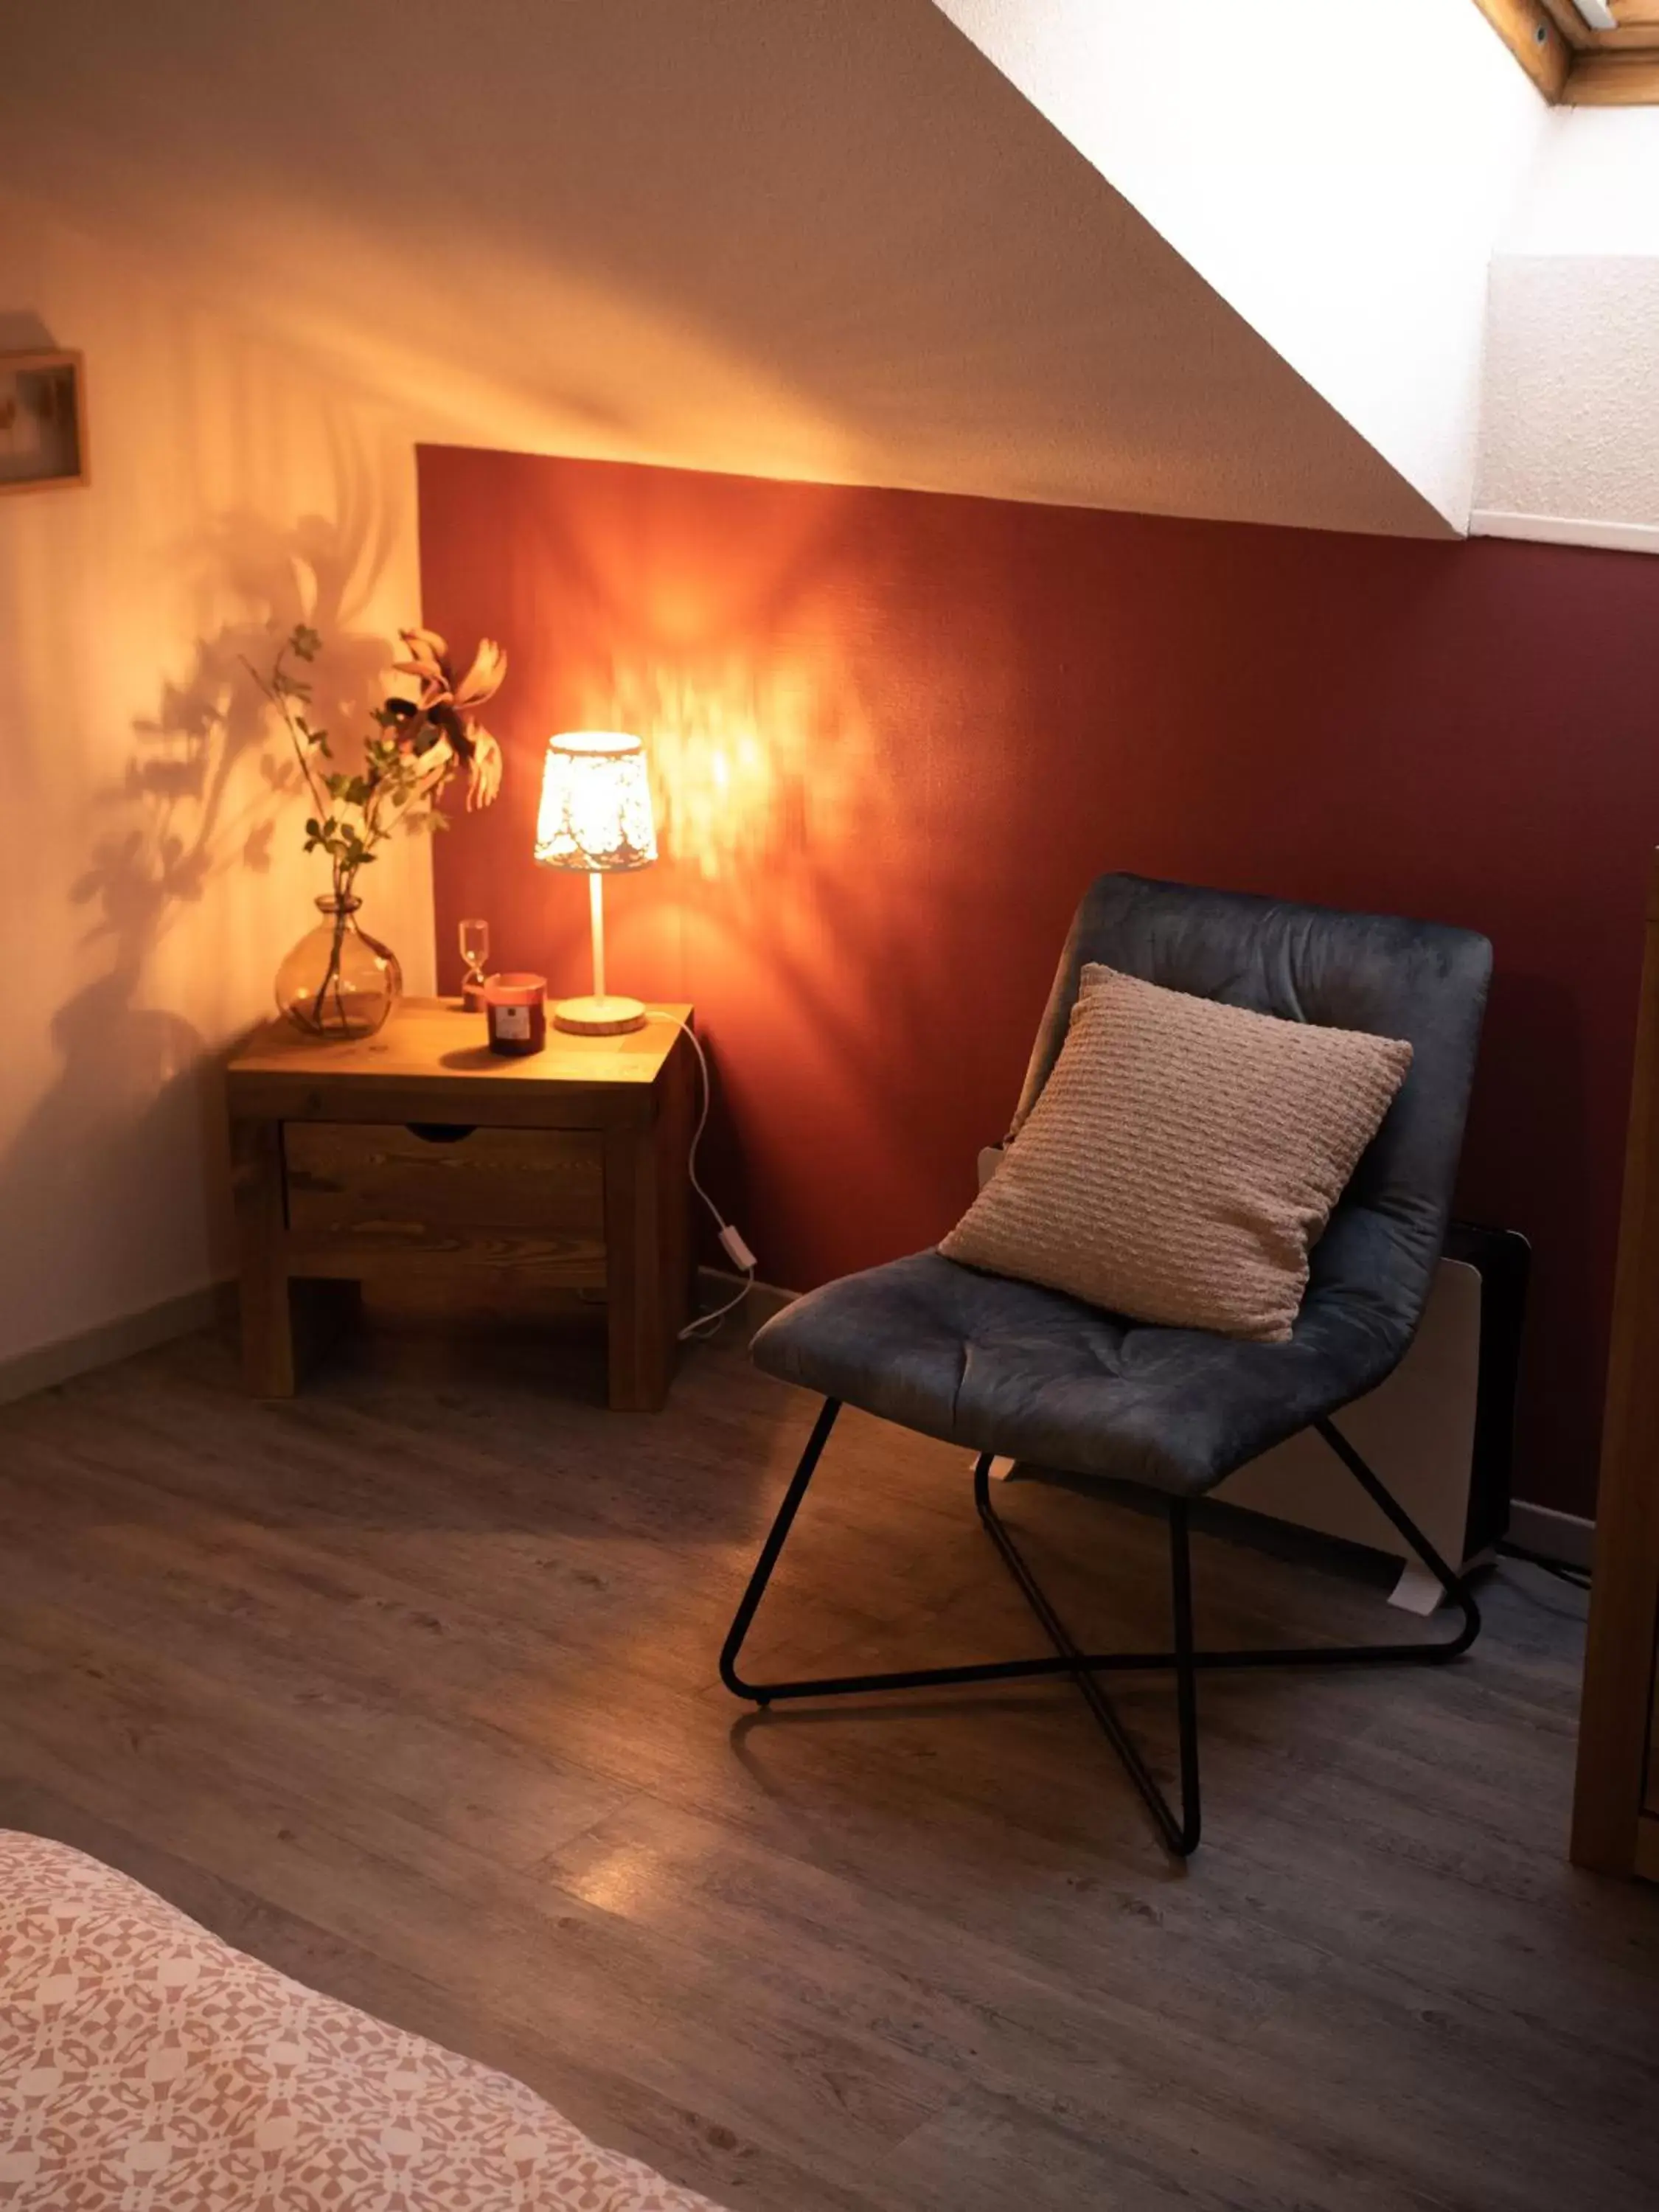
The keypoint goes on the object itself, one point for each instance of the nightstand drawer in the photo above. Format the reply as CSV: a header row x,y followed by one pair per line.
x,y
525,1203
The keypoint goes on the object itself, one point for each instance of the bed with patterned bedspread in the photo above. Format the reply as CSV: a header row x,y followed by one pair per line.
x,y
145,2066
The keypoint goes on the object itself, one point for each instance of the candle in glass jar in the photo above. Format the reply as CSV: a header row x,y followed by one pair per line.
x,y
515,1008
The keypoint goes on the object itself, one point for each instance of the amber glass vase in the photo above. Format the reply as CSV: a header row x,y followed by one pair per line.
x,y
338,982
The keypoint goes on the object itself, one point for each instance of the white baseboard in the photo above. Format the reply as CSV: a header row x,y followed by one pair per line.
x,y
48,1364
1566,1536
1565,530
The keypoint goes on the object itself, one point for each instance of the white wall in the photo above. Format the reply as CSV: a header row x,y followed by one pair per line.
x,y
1594,188
1338,173
151,875
1569,448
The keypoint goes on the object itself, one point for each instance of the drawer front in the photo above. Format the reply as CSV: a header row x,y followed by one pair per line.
x,y
525,1204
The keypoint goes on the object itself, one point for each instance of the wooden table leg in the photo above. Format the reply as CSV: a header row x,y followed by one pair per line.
x,y
267,1319
648,1235
640,1353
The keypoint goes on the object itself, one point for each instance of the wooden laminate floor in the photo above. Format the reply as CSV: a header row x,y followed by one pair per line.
x,y
408,1687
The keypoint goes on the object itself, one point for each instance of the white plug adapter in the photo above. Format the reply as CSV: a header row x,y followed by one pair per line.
x,y
737,1251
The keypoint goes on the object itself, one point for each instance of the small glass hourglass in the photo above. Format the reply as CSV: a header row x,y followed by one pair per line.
x,y
474,937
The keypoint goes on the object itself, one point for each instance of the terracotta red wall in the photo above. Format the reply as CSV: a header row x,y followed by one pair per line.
x,y
897,732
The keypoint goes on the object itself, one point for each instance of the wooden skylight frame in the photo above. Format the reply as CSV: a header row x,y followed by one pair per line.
x,y
1582,67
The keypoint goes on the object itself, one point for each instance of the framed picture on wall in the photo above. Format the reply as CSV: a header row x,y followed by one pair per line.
x,y
43,421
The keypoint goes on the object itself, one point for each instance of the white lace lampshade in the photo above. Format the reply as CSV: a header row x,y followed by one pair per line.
x,y
596,816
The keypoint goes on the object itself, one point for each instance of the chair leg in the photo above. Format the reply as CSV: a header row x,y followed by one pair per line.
x,y
1180,1832
1449,1581
1181,1606
769,1551
835,1686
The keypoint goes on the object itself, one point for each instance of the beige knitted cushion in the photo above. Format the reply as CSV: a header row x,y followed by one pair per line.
x,y
1182,1158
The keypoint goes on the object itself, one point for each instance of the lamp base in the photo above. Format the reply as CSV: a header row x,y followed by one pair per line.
x,y
593,1016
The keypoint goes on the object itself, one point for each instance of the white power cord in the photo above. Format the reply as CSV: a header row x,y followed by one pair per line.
x,y
731,1241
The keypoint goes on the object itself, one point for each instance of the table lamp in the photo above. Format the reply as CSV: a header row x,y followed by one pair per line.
x,y
596,815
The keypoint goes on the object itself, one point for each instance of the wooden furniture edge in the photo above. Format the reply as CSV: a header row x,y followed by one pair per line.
x,y
1638,24
256,1182
647,1239
1535,36
1626,76
1619,1658
1573,63
257,1095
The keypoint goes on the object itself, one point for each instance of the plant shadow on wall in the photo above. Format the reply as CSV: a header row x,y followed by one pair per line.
x,y
763,778
120,1172
766,772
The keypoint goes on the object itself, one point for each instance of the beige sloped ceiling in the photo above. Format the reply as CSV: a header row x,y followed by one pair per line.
x,y
790,237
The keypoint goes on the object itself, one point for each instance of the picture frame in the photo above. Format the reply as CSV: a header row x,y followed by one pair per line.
x,y
43,421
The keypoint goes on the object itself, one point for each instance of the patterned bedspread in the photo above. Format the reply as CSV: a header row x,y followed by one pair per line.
x,y
147,2067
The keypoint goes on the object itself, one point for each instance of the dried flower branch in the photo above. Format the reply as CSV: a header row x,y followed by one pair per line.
x,y
419,745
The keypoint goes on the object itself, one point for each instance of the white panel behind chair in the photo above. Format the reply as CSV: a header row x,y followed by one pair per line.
x,y
1417,1430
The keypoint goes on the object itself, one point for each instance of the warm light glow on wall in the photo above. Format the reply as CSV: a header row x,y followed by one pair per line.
x,y
748,763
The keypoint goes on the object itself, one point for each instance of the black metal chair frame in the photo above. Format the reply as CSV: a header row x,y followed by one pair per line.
x,y
1180,1832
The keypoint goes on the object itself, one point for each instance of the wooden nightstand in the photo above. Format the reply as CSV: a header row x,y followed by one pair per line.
x,y
419,1154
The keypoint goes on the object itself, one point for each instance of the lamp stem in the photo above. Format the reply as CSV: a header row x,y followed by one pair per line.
x,y
596,915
